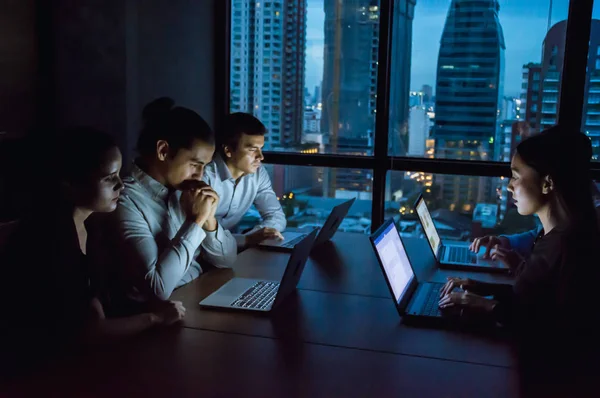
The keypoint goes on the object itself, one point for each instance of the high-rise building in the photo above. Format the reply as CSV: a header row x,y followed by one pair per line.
x,y
469,89
350,71
349,88
419,125
401,53
531,101
312,120
317,96
427,91
541,83
510,109
267,66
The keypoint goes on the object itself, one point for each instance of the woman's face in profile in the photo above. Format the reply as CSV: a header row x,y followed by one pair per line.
x,y
526,187
105,186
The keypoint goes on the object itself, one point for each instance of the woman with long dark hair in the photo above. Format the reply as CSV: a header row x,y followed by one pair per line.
x,y
551,307
53,298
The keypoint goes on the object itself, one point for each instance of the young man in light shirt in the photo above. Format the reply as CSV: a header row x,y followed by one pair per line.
x,y
165,222
240,181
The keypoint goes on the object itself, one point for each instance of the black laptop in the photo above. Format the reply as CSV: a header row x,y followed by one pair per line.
x,y
454,255
413,298
326,232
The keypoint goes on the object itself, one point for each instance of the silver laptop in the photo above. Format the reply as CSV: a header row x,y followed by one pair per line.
x,y
263,295
455,255
412,298
326,232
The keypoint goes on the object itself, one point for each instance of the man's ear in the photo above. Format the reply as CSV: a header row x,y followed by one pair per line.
x,y
227,151
162,150
547,185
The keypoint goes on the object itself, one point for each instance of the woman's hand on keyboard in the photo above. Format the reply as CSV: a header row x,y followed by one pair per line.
x,y
489,242
453,282
508,257
467,299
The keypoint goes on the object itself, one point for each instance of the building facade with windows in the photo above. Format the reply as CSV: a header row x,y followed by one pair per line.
x,y
541,84
267,66
469,90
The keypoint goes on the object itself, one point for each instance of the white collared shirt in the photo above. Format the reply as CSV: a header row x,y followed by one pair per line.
x,y
159,245
236,199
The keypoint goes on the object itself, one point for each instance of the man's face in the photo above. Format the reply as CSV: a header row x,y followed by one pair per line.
x,y
188,163
247,156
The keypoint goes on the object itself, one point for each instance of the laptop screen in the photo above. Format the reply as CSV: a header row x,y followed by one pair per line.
x,y
428,226
395,261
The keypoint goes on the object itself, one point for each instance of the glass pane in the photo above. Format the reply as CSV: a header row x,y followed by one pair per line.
x,y
590,122
476,68
491,213
328,77
307,195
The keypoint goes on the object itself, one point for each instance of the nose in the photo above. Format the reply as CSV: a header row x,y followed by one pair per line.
x,y
119,187
198,173
259,155
509,188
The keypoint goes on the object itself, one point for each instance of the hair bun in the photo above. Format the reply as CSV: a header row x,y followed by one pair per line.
x,y
157,110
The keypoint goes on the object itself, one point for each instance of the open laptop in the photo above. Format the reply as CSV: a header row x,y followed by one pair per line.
x,y
326,232
413,298
454,255
263,295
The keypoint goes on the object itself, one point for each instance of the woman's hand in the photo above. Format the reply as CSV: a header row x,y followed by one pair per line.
x,y
467,300
508,257
453,282
489,242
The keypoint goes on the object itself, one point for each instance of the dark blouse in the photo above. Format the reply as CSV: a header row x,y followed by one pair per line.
x,y
552,286
49,286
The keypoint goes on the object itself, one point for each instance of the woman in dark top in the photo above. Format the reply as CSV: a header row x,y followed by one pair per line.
x,y
48,273
551,305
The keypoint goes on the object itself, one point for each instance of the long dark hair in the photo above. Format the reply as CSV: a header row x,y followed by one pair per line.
x,y
565,157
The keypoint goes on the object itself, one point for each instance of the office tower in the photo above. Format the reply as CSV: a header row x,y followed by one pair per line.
x,y
349,88
350,73
317,96
531,101
541,82
427,91
419,125
510,109
267,66
469,88
401,54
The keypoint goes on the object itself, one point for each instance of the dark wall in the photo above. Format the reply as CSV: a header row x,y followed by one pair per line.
x,y
18,65
112,57
99,62
89,64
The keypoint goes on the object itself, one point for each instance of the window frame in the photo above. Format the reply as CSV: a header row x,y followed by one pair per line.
x,y
570,110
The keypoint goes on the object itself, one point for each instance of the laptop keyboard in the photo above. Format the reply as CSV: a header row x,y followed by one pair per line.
x,y
260,296
431,306
293,242
459,254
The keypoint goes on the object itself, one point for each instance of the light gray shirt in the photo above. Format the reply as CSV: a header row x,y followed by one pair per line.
x,y
236,198
159,246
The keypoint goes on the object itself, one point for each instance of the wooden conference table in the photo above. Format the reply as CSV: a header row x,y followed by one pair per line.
x,y
339,335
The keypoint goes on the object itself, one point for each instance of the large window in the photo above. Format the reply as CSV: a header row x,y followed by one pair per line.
x,y
308,194
308,70
392,98
491,212
474,71
590,123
